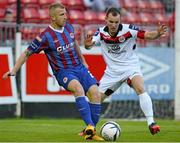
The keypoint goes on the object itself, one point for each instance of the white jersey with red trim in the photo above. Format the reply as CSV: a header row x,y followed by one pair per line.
x,y
119,52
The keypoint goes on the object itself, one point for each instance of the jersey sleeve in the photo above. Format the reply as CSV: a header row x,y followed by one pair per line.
x,y
38,44
136,32
96,37
141,34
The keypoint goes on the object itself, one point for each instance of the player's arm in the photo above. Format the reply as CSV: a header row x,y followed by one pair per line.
x,y
160,32
20,61
34,47
80,55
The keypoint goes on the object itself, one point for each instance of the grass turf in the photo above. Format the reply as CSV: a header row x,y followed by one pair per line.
x,y
66,130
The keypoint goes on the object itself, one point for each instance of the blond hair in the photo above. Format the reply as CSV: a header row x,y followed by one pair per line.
x,y
53,6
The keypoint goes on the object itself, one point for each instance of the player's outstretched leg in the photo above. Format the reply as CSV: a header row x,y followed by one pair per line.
x,y
154,128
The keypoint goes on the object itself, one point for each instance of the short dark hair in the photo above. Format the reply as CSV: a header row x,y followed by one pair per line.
x,y
115,11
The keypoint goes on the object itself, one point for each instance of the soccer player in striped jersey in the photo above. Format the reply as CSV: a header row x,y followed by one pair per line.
x,y
68,66
118,44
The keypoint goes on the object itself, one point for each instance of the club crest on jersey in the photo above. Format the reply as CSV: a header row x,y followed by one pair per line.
x,y
65,79
72,35
59,49
96,33
122,39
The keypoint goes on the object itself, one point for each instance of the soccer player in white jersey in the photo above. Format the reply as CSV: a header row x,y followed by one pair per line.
x,y
118,44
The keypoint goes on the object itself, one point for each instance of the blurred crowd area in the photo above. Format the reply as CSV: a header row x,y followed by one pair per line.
x,y
86,16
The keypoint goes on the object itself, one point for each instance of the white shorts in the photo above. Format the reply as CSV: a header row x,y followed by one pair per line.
x,y
113,82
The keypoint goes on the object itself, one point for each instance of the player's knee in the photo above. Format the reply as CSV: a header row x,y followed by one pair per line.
x,y
78,91
76,88
95,95
93,90
139,90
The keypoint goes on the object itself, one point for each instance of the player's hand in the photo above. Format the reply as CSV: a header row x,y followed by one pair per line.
x,y
7,74
88,42
162,30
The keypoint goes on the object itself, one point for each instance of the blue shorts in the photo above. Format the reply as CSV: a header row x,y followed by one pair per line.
x,y
80,73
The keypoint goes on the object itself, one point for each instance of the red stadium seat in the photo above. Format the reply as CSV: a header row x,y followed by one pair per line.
x,y
30,15
11,2
156,6
74,4
160,17
121,3
101,17
29,33
143,6
90,17
147,19
2,14
30,3
130,5
76,17
3,3
45,3
44,15
131,18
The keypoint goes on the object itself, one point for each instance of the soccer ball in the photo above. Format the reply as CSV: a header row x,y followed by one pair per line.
x,y
110,131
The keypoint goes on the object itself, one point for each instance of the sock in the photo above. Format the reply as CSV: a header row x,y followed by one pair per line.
x,y
84,109
95,112
146,107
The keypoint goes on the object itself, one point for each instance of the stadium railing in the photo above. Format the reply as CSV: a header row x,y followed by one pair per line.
x,y
31,30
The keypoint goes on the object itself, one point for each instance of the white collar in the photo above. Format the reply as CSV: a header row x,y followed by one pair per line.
x,y
61,30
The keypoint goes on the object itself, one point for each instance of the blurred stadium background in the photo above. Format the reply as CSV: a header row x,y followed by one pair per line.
x,y
35,93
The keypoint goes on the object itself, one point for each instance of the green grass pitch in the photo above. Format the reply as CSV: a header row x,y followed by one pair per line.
x,y
65,130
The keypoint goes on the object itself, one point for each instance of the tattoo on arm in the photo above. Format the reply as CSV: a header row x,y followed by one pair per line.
x,y
28,53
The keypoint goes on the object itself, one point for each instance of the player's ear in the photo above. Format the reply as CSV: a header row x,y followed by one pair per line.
x,y
53,17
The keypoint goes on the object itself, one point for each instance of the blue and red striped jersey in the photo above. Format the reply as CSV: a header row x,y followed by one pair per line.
x,y
59,47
